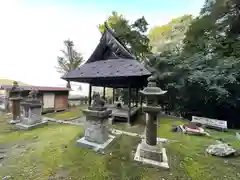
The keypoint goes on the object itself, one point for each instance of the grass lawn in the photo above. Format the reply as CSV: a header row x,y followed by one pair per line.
x,y
189,160
65,115
51,152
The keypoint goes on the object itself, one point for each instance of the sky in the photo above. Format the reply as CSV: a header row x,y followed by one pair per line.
x,y
32,31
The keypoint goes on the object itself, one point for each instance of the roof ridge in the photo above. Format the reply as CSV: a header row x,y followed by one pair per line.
x,y
109,30
109,45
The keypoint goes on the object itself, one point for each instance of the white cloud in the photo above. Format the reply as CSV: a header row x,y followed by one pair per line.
x,y
31,38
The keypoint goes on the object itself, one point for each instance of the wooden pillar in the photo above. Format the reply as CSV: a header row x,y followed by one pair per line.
x,y
113,95
129,103
141,100
90,95
104,92
137,98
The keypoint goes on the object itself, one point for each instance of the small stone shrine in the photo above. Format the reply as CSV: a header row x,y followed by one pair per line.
x,y
15,98
96,134
150,150
31,112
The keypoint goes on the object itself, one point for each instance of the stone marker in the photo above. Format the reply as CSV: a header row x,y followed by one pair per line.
x,y
220,149
31,112
96,134
238,136
150,150
15,97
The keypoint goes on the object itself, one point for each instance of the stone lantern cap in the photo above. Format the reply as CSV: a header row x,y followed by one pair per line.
x,y
152,89
15,92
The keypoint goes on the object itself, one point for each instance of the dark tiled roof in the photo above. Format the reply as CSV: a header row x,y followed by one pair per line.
x,y
40,88
109,68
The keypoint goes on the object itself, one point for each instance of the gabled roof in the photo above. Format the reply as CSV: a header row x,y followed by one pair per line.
x,y
111,65
110,47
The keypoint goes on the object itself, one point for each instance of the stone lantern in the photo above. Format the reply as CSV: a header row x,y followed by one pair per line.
x,y
31,112
96,134
15,98
150,151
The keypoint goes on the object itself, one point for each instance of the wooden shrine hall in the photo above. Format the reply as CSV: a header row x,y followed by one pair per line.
x,y
112,65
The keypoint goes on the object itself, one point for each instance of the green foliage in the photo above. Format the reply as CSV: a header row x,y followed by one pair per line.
x,y
203,79
132,35
169,37
216,29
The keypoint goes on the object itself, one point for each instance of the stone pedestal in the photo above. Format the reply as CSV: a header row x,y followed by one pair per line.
x,y
31,114
152,155
150,151
96,126
96,135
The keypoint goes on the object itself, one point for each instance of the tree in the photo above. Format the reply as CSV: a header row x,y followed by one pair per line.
x,y
132,35
216,29
71,59
169,37
204,79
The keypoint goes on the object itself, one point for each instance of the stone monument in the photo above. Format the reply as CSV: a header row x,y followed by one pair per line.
x,y
31,112
15,98
96,134
150,150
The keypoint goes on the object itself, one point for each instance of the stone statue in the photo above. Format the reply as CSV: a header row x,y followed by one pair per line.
x,y
98,101
33,94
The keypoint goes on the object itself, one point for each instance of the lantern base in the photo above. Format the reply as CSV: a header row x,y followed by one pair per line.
x,y
93,145
14,121
24,126
153,155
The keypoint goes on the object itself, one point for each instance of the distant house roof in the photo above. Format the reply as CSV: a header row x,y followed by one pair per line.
x,y
111,65
39,88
